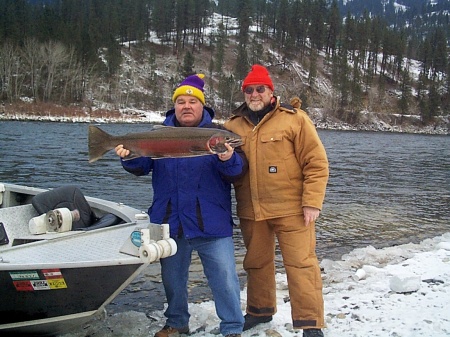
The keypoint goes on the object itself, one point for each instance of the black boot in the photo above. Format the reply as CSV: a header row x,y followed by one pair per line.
x,y
312,333
251,321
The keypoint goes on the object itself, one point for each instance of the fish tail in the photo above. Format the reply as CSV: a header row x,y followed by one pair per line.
x,y
99,142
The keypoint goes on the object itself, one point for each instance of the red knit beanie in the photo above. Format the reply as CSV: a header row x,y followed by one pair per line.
x,y
258,75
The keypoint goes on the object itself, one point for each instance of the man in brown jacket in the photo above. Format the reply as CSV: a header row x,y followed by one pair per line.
x,y
281,195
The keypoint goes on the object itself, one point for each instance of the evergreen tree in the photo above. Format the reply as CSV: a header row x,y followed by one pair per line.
x,y
312,74
317,27
356,92
297,29
242,65
439,51
282,23
15,20
348,39
446,96
162,18
220,49
422,86
113,56
256,54
228,89
400,48
434,102
210,75
334,25
363,26
260,18
199,19
375,38
406,92
426,56
342,81
180,25
244,19
188,64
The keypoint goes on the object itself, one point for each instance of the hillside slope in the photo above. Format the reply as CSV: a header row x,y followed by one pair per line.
x,y
149,72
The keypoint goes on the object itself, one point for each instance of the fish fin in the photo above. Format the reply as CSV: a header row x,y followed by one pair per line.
x,y
98,143
157,126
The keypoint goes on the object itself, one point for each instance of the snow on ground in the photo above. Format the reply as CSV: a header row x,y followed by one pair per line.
x,y
358,293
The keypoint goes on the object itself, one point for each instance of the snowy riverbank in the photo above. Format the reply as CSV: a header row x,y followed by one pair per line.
x,y
141,116
400,291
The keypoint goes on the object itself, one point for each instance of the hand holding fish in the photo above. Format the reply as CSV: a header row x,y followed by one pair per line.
x,y
227,154
121,151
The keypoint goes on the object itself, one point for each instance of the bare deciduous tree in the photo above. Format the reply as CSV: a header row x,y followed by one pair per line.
x,y
55,55
33,64
10,75
72,78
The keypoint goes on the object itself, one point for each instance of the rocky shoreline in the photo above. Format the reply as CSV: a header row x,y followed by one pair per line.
x,y
158,117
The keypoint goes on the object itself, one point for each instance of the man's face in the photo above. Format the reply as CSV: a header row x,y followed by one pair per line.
x,y
188,110
257,97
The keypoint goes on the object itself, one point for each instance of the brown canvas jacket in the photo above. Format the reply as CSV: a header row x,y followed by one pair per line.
x,y
288,166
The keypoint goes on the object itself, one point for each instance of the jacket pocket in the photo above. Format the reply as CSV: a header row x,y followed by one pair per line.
x,y
271,137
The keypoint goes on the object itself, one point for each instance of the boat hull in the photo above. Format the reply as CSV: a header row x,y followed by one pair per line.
x,y
53,301
54,281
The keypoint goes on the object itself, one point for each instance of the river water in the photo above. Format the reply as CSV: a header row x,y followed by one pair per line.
x,y
384,189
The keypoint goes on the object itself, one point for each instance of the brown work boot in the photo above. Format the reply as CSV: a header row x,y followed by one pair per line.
x,y
168,331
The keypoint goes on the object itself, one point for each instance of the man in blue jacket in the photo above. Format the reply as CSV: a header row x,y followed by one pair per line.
x,y
193,195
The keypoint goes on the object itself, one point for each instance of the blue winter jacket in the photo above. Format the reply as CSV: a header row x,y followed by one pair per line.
x,y
192,194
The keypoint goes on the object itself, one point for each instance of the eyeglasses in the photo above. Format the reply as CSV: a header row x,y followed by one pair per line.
x,y
259,89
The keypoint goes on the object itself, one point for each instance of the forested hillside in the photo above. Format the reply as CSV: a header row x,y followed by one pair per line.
x,y
345,57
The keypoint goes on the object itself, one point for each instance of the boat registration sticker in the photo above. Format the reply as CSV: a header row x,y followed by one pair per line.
x,y
46,279
24,275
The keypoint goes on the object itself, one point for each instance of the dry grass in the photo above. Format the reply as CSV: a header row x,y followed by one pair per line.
x,y
41,109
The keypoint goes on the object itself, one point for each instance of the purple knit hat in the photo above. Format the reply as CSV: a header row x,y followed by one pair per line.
x,y
192,86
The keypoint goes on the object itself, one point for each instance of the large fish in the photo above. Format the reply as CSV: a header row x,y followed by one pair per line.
x,y
163,142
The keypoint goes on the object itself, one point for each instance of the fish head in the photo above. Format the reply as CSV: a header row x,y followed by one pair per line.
x,y
217,141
